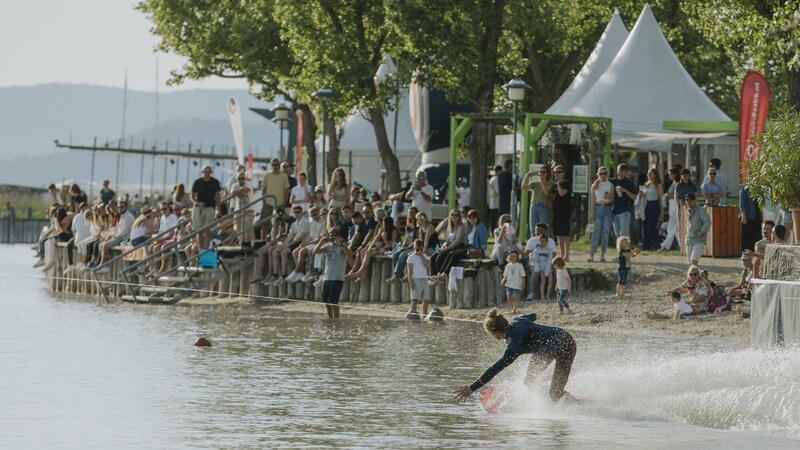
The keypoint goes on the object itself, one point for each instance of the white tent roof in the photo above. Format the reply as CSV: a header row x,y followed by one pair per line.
x,y
644,86
359,136
604,52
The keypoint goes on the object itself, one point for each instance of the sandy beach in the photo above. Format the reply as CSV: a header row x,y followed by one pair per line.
x,y
653,274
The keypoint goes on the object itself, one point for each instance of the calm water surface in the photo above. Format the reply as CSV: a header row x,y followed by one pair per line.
x,y
79,373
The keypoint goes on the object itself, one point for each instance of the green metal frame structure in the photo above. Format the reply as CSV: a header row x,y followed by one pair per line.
x,y
533,128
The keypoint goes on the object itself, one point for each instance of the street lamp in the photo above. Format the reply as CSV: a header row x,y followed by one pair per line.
x,y
282,118
516,93
324,93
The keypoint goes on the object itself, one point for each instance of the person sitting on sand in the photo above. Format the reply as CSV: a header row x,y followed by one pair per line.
x,y
742,290
524,335
696,287
679,308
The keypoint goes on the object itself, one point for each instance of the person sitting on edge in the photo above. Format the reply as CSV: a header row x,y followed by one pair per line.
x,y
679,307
742,290
401,252
281,251
523,335
298,235
280,228
316,231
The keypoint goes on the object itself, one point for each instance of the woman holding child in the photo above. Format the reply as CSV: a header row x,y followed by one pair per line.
x,y
697,290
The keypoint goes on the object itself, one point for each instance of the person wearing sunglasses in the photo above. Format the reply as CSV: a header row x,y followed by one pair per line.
x,y
695,287
562,210
600,201
453,250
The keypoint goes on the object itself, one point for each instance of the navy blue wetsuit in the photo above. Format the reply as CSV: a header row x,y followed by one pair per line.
x,y
544,343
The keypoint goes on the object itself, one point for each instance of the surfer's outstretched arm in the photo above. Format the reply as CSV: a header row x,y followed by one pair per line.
x,y
511,355
461,393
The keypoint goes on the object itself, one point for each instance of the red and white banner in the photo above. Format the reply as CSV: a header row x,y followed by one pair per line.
x,y
753,107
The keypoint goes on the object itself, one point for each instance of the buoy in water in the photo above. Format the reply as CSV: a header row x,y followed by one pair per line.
x,y
435,315
202,342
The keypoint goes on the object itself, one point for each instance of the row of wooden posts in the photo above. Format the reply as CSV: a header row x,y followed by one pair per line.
x,y
479,288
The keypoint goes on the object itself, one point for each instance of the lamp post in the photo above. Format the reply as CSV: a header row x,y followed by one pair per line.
x,y
324,93
516,93
282,118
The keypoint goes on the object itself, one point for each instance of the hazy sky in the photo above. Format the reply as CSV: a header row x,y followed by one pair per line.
x,y
85,41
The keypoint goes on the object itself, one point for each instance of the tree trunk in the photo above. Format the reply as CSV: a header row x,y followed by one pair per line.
x,y
478,148
332,157
309,132
793,82
388,158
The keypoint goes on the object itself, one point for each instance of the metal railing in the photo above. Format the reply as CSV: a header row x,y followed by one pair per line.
x,y
173,249
21,231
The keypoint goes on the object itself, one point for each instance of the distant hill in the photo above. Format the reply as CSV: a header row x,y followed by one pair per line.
x,y
31,118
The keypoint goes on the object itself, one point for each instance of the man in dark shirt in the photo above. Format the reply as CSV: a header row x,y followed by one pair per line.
x,y
504,190
289,171
205,196
625,194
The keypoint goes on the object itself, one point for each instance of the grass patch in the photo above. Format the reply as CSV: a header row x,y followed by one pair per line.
x,y
596,280
26,201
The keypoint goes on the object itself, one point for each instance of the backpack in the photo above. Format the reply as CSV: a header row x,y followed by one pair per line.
x,y
719,300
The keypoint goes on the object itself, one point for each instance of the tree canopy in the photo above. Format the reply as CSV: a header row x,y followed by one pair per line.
x,y
466,48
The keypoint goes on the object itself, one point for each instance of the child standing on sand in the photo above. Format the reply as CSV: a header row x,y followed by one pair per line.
x,y
418,269
513,279
541,260
625,257
563,284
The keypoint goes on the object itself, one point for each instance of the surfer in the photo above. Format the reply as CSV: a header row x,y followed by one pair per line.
x,y
523,335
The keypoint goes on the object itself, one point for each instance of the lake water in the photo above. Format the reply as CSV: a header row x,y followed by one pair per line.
x,y
80,373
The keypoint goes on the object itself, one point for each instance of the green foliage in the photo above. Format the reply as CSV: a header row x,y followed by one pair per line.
x,y
596,280
773,175
760,35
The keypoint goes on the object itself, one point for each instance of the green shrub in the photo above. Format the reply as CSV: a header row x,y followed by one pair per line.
x,y
596,280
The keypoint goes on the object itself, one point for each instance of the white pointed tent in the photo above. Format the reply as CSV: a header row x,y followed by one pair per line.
x,y
643,86
596,64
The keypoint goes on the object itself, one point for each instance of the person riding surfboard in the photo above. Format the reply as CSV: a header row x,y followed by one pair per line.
x,y
522,336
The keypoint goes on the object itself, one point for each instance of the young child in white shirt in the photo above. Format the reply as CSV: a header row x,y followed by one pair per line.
x,y
679,309
513,280
540,260
563,284
418,269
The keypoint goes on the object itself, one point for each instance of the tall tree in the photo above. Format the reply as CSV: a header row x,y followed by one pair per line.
x,y
231,39
341,44
453,45
761,35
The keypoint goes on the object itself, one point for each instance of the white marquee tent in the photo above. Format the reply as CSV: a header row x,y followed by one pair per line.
x,y
642,87
604,52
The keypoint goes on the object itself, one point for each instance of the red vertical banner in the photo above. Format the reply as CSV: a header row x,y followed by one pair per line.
x,y
250,164
753,107
299,143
